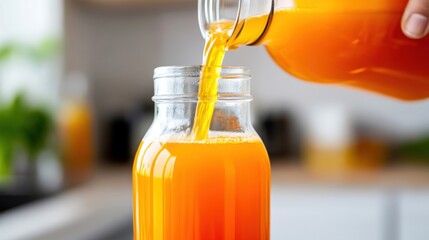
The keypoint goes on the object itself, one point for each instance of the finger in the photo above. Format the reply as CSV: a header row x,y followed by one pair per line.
x,y
415,21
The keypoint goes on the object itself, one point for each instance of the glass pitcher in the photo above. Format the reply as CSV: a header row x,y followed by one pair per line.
x,y
350,42
215,188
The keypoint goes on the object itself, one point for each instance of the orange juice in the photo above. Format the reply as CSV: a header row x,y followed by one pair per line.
x,y
198,180
210,190
362,49
354,43
77,140
214,52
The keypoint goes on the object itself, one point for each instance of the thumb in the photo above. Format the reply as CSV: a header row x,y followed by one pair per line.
x,y
415,21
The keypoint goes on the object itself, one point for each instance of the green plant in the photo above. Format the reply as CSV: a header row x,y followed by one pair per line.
x,y
22,126
41,51
416,151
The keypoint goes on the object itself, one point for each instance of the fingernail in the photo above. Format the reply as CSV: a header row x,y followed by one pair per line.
x,y
416,25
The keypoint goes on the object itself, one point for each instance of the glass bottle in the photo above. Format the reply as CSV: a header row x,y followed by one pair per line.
x,y
75,122
215,188
351,42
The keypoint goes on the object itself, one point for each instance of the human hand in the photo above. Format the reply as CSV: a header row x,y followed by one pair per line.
x,y
415,21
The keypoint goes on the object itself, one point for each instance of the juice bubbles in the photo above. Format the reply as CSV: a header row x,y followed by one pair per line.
x,y
211,188
354,43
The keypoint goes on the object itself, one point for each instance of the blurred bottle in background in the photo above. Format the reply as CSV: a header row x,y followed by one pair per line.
x,y
277,129
334,145
371,148
124,132
329,139
76,131
117,146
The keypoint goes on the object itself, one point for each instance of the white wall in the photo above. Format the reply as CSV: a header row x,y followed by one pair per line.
x,y
25,24
118,49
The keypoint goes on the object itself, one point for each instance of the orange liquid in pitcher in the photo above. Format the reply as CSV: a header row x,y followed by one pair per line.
x,y
365,49
345,42
213,190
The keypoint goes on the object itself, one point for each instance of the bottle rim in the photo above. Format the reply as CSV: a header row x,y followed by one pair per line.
x,y
181,83
195,71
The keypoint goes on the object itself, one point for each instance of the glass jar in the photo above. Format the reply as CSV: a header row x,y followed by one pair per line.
x,y
75,123
350,42
214,188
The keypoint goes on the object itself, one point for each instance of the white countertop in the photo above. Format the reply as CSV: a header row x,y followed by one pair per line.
x,y
103,203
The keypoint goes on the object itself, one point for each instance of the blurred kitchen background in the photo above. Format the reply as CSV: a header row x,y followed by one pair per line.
x,y
75,90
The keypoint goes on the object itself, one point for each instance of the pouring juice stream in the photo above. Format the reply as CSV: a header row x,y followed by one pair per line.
x,y
214,52
361,49
328,41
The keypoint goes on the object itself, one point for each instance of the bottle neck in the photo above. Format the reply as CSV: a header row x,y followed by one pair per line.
x,y
249,19
176,98
177,117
